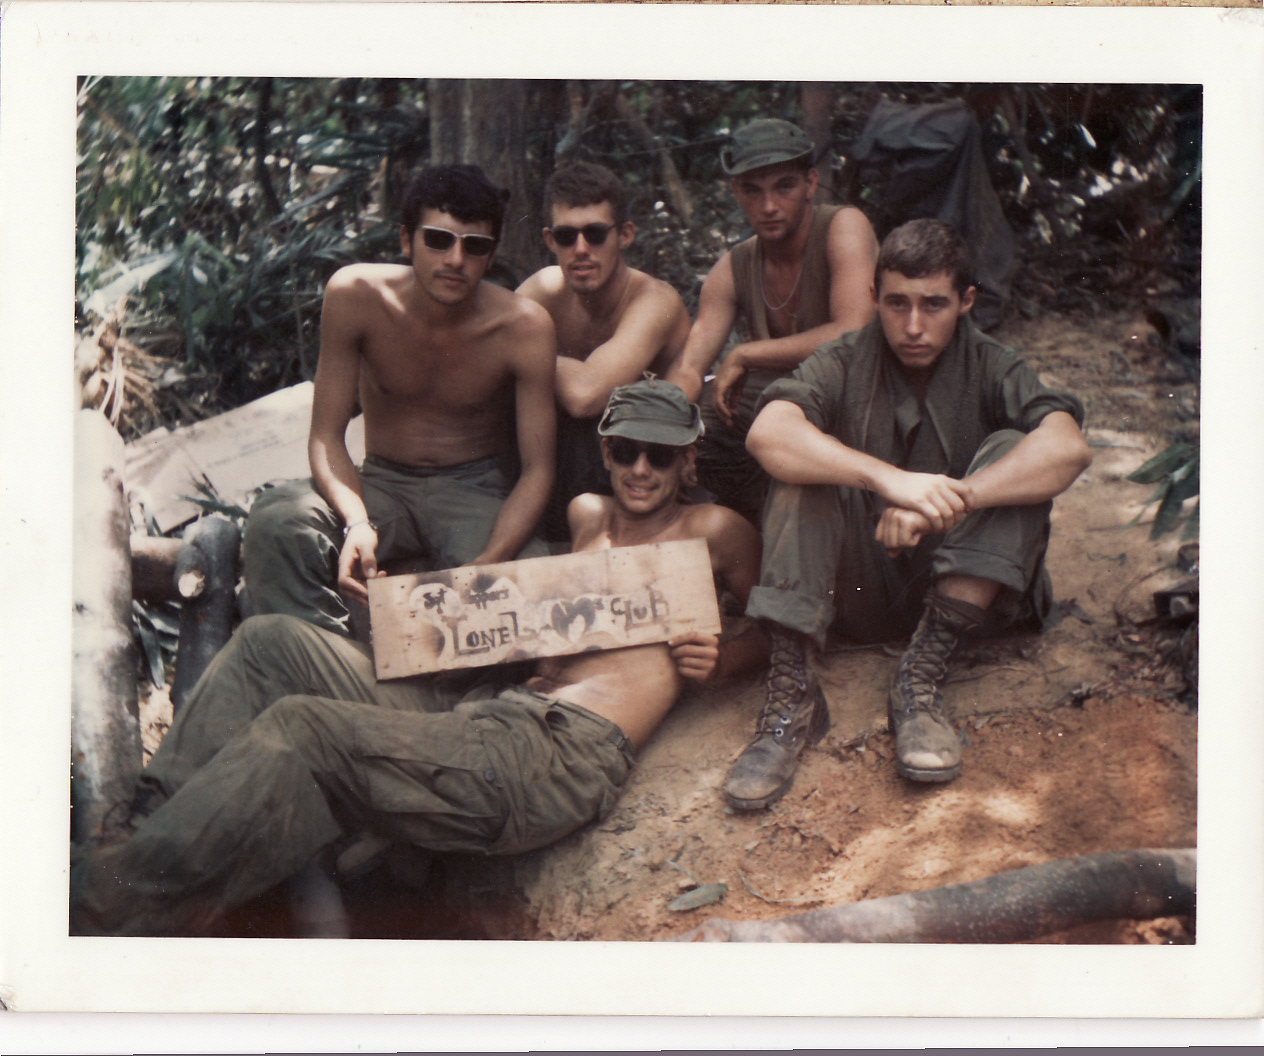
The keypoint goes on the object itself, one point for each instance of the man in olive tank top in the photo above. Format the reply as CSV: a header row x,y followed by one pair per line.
x,y
802,280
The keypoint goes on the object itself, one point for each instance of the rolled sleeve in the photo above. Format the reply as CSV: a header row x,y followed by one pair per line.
x,y
816,387
1025,401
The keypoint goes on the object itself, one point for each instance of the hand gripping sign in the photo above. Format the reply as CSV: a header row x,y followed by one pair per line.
x,y
480,615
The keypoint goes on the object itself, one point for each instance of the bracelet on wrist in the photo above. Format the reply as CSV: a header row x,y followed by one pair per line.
x,y
356,524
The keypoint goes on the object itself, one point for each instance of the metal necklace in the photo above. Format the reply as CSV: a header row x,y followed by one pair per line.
x,y
798,275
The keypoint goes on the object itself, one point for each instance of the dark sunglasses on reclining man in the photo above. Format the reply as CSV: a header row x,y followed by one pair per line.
x,y
594,234
440,239
625,452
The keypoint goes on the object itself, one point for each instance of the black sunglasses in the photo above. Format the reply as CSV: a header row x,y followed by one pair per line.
x,y
594,234
440,239
625,452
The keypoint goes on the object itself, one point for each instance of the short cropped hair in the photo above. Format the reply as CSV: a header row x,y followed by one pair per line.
x,y
925,247
464,191
585,183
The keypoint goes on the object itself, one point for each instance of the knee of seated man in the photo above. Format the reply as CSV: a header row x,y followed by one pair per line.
x,y
268,638
995,446
301,721
281,513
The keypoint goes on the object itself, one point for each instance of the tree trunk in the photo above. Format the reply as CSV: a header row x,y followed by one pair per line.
x,y
1013,906
105,729
481,122
817,99
154,568
676,190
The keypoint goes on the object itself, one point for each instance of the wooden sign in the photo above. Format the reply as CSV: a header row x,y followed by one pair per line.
x,y
542,606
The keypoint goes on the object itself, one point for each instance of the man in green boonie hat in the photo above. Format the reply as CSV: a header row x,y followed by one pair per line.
x,y
653,411
803,279
290,749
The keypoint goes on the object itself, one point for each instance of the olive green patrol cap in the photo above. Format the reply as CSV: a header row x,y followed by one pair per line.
x,y
652,411
767,141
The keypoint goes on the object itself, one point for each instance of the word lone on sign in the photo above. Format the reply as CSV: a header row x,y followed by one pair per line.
x,y
543,606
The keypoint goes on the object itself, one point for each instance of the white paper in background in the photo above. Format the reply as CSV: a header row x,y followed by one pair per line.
x,y
234,453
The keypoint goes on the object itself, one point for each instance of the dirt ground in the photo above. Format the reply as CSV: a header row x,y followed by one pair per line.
x,y
1080,740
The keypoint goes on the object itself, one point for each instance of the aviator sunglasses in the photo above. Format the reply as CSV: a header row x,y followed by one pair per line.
x,y
625,452
594,234
440,239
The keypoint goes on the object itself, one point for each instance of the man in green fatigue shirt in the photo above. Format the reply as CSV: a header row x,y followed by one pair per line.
x,y
802,279
289,745
914,464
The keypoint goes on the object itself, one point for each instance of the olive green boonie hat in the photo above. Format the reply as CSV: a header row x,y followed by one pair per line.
x,y
652,411
767,141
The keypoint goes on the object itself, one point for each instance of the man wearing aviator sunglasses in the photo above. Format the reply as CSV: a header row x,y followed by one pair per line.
x,y
304,722
440,362
613,322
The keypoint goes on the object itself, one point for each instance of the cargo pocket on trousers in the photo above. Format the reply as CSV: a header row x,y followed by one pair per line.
x,y
429,780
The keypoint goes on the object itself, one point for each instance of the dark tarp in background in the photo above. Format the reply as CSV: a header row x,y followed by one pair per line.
x,y
911,162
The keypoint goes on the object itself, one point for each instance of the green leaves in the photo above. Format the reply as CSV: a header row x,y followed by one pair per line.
x,y
178,179
1176,472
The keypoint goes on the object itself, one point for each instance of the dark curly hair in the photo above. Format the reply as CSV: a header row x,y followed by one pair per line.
x,y
464,191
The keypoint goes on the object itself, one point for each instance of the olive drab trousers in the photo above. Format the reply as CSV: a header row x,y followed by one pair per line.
x,y
823,572
442,515
335,752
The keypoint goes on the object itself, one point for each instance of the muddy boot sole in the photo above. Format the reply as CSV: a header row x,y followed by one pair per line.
x,y
923,775
779,758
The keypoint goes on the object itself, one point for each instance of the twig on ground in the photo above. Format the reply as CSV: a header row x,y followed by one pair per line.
x,y
777,901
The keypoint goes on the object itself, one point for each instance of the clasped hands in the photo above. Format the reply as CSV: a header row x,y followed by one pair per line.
x,y
919,504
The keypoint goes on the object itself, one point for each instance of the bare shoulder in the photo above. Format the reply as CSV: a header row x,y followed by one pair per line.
x,y
545,286
587,516
722,272
850,225
720,526
655,292
367,278
522,318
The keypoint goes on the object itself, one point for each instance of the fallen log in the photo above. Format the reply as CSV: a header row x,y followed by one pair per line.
x,y
105,728
154,567
1013,906
206,582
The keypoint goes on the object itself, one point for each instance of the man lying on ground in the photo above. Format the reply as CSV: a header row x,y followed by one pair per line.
x,y
613,322
914,464
315,748
441,362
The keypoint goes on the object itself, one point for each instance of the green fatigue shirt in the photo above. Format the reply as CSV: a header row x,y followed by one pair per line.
x,y
855,390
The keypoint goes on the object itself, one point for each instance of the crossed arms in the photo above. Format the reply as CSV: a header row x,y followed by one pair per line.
x,y
851,251
1041,465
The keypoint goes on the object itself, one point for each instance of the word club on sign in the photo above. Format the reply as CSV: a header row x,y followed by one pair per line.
x,y
546,606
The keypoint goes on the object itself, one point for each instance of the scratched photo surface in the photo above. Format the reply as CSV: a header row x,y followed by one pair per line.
x,y
341,151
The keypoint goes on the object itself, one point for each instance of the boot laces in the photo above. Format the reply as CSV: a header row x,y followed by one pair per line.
x,y
788,680
924,666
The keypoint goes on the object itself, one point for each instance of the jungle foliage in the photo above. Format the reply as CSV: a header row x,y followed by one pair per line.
x,y
218,207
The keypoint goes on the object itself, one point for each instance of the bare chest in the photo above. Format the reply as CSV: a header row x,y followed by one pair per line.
x,y
780,292
459,369
579,332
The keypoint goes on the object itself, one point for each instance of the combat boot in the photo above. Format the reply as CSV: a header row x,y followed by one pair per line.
x,y
927,747
795,714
